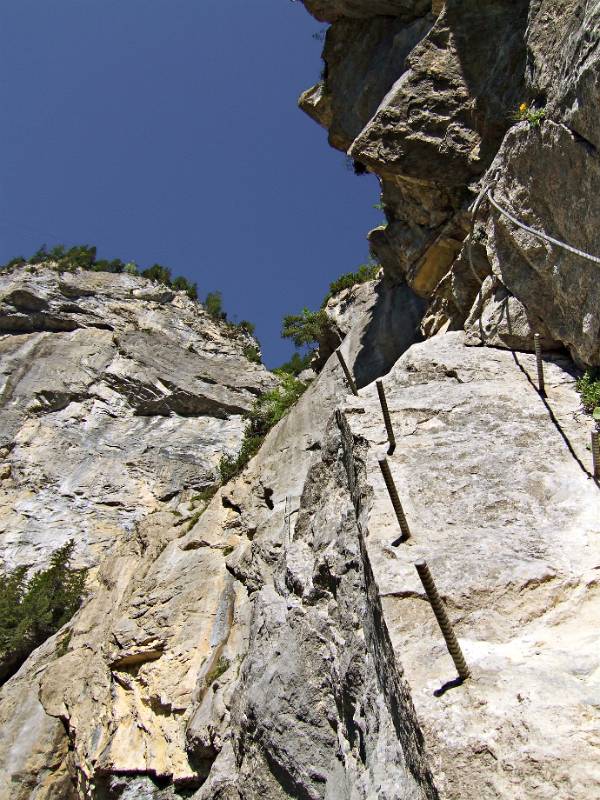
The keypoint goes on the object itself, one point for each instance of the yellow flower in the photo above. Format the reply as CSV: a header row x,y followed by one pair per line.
x,y
523,108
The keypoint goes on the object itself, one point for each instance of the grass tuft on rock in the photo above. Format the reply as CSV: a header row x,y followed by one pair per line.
x,y
365,273
588,387
266,412
222,665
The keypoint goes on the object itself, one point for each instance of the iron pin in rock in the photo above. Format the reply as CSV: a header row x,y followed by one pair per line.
x,y
596,454
442,617
539,363
393,493
347,373
386,417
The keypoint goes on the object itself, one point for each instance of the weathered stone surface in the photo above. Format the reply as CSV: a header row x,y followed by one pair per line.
x,y
380,321
331,10
104,424
497,491
558,287
274,642
362,59
152,674
498,319
445,117
452,300
564,67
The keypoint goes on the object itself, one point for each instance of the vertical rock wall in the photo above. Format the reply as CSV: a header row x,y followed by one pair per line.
x,y
428,102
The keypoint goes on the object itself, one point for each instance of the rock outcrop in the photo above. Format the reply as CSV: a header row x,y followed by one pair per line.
x,y
428,104
275,641
116,396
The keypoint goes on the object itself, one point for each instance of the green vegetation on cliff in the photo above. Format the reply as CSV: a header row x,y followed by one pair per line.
x,y
266,412
83,256
589,388
309,328
32,609
365,273
305,329
297,364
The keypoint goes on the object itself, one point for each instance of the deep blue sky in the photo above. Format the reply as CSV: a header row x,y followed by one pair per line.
x,y
167,130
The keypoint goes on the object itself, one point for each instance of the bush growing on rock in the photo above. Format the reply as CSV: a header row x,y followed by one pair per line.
x,y
182,284
589,388
214,306
84,257
33,609
297,364
266,412
158,274
252,353
365,273
311,328
307,328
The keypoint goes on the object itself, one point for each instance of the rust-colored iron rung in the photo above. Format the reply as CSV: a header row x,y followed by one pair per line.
x,y
393,493
386,417
442,617
347,373
539,364
596,453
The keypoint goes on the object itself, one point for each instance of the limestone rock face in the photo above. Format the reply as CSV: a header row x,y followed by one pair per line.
x,y
378,321
362,61
560,288
279,643
447,125
275,641
444,119
151,684
115,396
331,10
497,491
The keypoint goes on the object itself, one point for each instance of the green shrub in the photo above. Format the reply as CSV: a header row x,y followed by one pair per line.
x,y
84,257
252,353
589,388
365,273
214,306
33,609
230,466
181,284
81,256
297,363
266,412
158,274
247,327
306,329
19,261
116,266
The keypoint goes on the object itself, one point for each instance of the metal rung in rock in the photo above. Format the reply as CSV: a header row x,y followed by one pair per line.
x,y
386,417
442,618
393,493
347,373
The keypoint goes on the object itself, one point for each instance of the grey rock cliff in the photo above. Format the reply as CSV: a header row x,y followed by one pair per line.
x,y
279,644
115,396
428,104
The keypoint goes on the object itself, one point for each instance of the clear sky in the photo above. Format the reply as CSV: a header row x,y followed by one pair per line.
x,y
168,131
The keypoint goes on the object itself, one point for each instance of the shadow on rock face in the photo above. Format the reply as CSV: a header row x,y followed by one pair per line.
x,y
392,329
